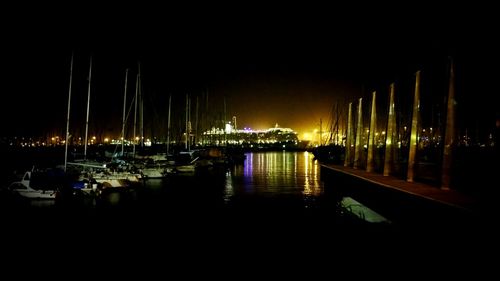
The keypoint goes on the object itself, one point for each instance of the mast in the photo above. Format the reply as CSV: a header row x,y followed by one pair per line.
x,y
67,118
135,111
187,122
208,121
320,131
141,108
196,123
124,108
331,127
88,107
224,125
168,123
190,126
337,125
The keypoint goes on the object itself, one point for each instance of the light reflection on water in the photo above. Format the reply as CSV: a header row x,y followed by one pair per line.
x,y
287,179
228,190
275,174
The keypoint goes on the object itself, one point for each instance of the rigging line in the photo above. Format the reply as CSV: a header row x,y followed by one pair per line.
x,y
126,119
330,124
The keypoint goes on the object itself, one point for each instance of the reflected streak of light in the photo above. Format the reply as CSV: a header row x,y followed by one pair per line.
x,y
228,189
248,165
315,171
275,161
295,165
283,160
307,186
311,179
262,162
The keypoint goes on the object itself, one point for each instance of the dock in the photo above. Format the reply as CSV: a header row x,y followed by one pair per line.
x,y
399,199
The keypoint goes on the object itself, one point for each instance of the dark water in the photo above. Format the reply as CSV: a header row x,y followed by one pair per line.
x,y
266,184
265,180
274,199
273,208
271,188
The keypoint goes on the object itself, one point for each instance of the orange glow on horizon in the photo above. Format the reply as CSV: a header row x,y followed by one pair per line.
x,y
306,136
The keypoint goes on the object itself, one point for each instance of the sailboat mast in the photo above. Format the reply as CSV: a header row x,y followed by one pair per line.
x,y
168,123
88,107
196,129
187,120
124,108
337,126
141,108
67,118
135,112
320,132
190,126
142,118
224,124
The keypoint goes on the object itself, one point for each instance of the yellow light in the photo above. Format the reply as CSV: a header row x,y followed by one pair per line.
x,y
106,139
94,138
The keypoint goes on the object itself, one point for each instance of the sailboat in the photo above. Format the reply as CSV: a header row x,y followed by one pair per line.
x,y
186,161
105,174
159,166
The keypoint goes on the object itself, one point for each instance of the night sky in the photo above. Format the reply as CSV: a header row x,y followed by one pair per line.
x,y
285,65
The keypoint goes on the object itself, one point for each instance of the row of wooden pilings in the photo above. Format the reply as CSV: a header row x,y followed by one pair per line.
x,y
354,145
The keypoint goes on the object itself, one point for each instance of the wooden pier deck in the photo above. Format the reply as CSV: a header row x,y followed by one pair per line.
x,y
412,204
450,197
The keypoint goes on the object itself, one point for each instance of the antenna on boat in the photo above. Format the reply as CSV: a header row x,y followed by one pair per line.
x,y
67,118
